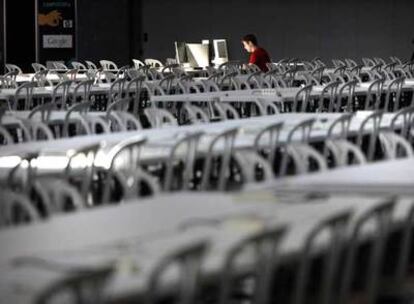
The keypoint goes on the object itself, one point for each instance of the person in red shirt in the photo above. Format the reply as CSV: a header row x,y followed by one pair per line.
x,y
258,55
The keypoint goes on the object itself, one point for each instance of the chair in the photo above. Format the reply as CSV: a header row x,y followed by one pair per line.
x,y
329,92
297,149
381,216
16,209
272,132
138,63
301,100
79,286
122,165
226,111
13,68
336,228
82,91
154,63
5,136
63,196
368,62
116,91
346,91
84,156
374,93
189,143
159,118
57,65
187,260
343,152
134,88
40,78
403,122
23,94
60,94
227,137
195,114
374,119
8,81
38,130
91,65
264,246
108,65
393,96
120,119
37,67
81,122
78,65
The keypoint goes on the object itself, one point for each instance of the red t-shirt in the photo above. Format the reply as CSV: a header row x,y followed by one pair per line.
x,y
260,57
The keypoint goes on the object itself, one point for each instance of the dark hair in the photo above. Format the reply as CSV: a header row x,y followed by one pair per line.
x,y
250,38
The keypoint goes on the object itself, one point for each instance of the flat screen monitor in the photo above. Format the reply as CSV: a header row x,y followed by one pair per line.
x,y
181,52
197,54
220,51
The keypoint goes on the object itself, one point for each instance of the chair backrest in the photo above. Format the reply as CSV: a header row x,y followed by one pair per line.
x,y
226,111
78,65
374,119
116,90
89,153
329,91
45,110
80,286
7,81
228,137
5,136
23,93
196,114
134,88
91,65
336,228
122,158
268,140
304,128
153,63
368,62
138,63
57,65
16,209
60,94
374,94
189,143
188,259
12,67
38,67
403,121
342,125
160,118
82,90
381,216
394,146
394,87
82,108
264,245
40,78
347,91
38,130
302,99
108,65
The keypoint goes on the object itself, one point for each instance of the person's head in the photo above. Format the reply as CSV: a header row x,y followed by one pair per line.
x,y
249,42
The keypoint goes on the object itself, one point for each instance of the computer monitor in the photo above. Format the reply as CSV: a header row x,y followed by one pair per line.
x,y
181,52
220,51
197,54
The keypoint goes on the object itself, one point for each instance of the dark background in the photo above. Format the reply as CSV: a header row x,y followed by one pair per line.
x,y
115,29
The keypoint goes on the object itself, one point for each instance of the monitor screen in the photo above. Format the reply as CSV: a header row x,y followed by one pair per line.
x,y
181,52
220,49
197,54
